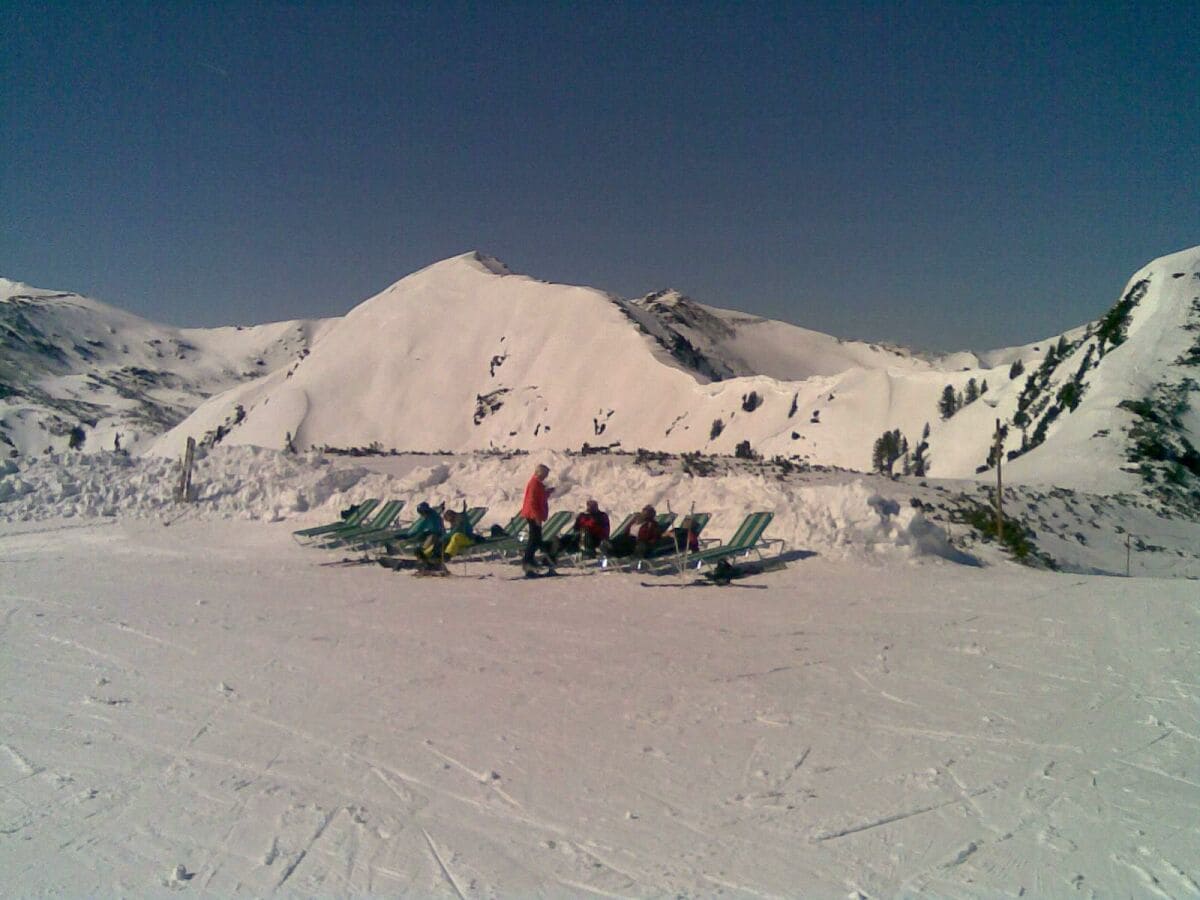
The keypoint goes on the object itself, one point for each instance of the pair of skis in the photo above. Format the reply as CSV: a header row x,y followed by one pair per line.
x,y
701,582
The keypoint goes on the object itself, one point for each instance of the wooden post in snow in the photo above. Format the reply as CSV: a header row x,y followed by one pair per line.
x,y
999,451
184,492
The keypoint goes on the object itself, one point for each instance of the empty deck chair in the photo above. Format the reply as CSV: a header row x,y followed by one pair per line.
x,y
364,509
384,518
746,540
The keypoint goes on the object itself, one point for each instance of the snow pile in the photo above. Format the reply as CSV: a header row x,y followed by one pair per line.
x,y
843,517
838,515
247,483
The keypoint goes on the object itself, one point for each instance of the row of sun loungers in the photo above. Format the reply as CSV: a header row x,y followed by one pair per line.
x,y
372,528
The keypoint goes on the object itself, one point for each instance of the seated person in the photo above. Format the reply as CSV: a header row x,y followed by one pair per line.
x,y
428,525
686,536
459,534
628,544
589,531
429,521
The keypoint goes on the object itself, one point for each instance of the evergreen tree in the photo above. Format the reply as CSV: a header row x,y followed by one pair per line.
x,y
889,447
972,393
919,464
1016,370
947,406
76,438
983,388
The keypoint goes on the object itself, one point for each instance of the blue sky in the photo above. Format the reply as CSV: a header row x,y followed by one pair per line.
x,y
939,175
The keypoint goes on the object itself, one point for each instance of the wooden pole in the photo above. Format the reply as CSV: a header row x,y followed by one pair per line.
x,y
1127,554
184,491
999,486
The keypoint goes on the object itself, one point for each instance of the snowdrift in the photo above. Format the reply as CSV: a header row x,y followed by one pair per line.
x,y
838,515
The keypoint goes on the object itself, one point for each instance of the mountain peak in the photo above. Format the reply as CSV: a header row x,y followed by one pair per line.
x,y
476,260
10,288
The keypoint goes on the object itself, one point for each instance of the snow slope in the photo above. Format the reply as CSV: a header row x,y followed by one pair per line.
x,y
464,355
738,344
1094,446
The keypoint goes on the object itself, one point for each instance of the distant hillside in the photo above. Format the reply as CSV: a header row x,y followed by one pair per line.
x,y
69,363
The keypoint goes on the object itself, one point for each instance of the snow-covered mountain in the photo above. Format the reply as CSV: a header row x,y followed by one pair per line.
x,y
69,362
466,355
1107,407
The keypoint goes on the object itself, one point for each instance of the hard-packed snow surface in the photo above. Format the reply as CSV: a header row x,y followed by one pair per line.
x,y
203,708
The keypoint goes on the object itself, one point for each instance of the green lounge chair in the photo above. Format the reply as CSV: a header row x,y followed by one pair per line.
x,y
512,532
484,546
668,554
664,520
746,540
624,524
550,530
398,538
307,535
385,518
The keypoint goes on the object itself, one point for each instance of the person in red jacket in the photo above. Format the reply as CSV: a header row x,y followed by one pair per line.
x,y
589,531
535,509
647,537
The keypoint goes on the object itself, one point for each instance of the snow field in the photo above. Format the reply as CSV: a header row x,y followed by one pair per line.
x,y
205,708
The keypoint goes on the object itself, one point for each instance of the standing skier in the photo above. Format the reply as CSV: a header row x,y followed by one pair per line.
x,y
535,509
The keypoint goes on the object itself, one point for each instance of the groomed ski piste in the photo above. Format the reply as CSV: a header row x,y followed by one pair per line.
x,y
190,702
